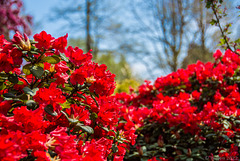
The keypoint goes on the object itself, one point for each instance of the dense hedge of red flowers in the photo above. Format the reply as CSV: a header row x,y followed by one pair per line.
x,y
190,114
55,103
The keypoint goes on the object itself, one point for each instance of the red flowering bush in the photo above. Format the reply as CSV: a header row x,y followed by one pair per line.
x,y
55,103
191,114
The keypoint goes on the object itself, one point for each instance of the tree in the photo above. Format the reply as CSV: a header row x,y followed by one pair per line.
x,y
164,30
196,52
88,17
12,18
197,49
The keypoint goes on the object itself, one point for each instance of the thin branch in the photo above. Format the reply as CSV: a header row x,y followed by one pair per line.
x,y
24,79
220,27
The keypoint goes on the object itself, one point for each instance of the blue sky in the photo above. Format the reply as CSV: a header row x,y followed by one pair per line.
x,y
40,10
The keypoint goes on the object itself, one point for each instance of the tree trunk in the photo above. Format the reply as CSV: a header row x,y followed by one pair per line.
x,y
88,35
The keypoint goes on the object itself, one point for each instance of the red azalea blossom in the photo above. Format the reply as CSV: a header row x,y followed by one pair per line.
x,y
63,109
77,57
44,40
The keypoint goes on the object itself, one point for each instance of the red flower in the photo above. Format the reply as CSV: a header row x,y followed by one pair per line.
x,y
5,106
217,54
6,62
78,76
61,79
61,67
43,39
65,145
77,57
59,44
51,95
30,120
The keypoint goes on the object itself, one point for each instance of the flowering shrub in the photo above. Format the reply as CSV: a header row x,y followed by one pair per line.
x,y
190,114
56,104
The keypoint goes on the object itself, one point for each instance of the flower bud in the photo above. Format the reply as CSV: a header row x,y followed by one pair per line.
x,y
24,43
146,138
177,135
178,152
90,80
160,141
140,150
189,153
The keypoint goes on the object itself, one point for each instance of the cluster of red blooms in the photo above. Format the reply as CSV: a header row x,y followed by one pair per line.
x,y
56,105
205,95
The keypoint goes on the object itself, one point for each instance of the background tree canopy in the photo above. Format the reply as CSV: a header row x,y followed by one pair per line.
x,y
156,37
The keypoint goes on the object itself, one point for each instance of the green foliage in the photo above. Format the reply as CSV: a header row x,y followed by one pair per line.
x,y
120,68
124,85
115,62
77,42
195,53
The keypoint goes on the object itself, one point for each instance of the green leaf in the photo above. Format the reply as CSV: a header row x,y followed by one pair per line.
x,y
20,83
37,71
13,78
213,22
63,56
34,52
87,129
93,116
27,90
94,99
34,90
33,42
105,128
81,96
123,121
2,86
31,103
225,137
83,104
222,41
3,75
135,154
73,121
66,88
65,105
144,149
208,4
49,110
40,65
51,59
9,95
26,69
209,135
237,121
114,148
226,124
